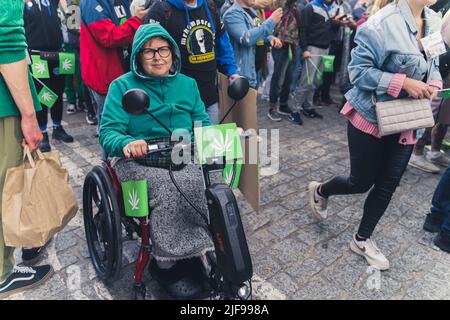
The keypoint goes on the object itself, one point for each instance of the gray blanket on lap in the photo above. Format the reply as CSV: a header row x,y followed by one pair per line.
x,y
176,229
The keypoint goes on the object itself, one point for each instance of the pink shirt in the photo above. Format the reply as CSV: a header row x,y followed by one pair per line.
x,y
359,122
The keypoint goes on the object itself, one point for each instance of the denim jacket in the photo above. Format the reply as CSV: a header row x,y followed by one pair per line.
x,y
386,45
244,35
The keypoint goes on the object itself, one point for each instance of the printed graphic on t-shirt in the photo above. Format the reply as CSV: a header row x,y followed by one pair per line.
x,y
120,11
199,41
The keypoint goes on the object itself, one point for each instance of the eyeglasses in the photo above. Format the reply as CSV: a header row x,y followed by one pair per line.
x,y
149,53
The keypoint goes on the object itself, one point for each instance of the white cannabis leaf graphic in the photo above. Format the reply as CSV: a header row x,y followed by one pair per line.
x,y
228,176
67,64
40,67
133,200
221,145
47,96
327,64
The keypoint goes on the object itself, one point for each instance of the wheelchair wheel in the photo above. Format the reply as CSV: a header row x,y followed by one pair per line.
x,y
102,224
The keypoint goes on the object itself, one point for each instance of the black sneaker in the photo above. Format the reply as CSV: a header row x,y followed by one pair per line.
x,y
328,101
45,144
432,223
91,119
284,110
296,118
442,240
273,115
33,255
60,134
24,278
312,113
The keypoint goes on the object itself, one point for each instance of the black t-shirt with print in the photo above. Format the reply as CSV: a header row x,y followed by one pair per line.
x,y
196,41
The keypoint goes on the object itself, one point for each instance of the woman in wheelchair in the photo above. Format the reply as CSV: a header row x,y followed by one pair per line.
x,y
179,235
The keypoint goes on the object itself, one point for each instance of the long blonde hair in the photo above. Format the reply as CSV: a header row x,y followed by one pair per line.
x,y
379,4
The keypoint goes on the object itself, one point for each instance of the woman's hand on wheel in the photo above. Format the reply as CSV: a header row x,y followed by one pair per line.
x,y
416,89
135,149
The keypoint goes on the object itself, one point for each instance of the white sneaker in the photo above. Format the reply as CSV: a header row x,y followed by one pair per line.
x,y
369,250
421,163
440,159
71,108
318,203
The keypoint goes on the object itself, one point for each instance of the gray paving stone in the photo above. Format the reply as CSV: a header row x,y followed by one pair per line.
x,y
284,283
65,240
318,289
305,270
343,275
313,234
326,253
265,266
283,228
289,250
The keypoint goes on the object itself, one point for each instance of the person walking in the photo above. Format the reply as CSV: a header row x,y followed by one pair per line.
x,y
387,62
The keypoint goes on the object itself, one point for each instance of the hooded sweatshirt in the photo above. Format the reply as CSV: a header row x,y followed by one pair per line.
x,y
174,100
204,42
316,28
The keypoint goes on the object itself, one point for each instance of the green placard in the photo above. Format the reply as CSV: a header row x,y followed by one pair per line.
x,y
135,198
47,97
66,63
39,67
444,94
328,63
218,141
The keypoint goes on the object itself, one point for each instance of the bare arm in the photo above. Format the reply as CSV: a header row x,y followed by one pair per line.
x,y
16,78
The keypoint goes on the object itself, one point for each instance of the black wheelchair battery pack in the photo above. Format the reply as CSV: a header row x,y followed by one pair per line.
x,y
233,257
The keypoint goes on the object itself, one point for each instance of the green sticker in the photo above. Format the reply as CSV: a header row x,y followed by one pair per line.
x,y
47,97
66,63
328,63
39,67
135,198
218,141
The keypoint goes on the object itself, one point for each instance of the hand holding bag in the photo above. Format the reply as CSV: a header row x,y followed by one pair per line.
x,y
38,200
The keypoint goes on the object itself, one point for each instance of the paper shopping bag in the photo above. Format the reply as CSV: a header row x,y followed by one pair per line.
x,y
37,200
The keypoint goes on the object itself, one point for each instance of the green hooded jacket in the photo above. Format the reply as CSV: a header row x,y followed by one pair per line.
x,y
174,100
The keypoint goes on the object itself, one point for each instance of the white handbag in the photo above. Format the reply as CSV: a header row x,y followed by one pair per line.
x,y
402,115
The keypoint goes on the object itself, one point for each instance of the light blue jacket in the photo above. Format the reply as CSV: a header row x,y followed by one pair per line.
x,y
386,45
244,35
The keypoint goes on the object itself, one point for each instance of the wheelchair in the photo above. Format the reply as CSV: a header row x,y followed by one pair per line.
x,y
228,269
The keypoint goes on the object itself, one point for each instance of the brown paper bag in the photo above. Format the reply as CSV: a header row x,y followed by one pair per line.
x,y
37,200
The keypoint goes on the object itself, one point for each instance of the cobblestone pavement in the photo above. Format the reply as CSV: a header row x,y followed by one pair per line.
x,y
294,256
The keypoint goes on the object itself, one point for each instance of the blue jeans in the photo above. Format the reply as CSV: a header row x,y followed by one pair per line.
x,y
99,101
282,76
297,70
213,113
441,201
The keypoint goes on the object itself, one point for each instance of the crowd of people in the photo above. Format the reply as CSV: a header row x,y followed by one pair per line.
x,y
293,50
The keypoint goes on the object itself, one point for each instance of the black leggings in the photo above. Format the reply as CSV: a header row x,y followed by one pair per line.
x,y
374,162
